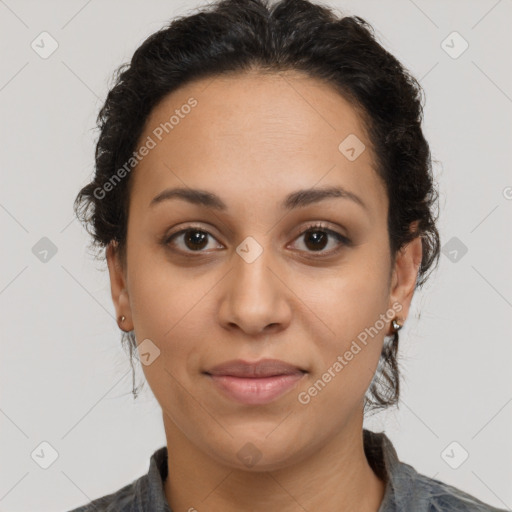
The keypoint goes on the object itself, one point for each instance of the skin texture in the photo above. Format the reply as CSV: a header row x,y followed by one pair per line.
x,y
252,139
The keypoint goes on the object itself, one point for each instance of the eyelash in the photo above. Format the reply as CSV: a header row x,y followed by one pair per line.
x,y
343,241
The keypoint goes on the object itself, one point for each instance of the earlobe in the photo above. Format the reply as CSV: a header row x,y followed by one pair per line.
x,y
118,288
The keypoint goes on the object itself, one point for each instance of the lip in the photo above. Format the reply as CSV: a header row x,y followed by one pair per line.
x,y
256,390
255,383
256,369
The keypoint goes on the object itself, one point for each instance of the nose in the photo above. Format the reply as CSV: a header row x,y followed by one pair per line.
x,y
255,298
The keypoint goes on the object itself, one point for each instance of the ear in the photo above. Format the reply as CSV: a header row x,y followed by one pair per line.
x,y
118,287
405,274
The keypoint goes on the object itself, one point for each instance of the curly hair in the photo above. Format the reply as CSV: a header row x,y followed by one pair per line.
x,y
237,36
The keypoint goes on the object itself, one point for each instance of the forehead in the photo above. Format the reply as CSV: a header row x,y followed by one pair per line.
x,y
250,133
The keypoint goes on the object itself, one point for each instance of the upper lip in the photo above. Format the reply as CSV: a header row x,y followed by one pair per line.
x,y
261,368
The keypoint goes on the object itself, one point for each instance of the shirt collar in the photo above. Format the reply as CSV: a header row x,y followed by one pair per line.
x,y
402,492
150,493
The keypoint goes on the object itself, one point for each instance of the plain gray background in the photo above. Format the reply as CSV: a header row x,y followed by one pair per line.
x,y
64,378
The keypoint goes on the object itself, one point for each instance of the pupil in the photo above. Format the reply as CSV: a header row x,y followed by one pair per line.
x,y
196,239
316,239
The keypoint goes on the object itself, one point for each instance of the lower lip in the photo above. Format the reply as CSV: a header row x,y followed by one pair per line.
x,y
256,391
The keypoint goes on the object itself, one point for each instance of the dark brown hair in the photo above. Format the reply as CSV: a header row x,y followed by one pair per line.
x,y
236,36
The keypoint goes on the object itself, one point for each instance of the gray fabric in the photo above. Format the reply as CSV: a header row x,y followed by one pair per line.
x,y
406,489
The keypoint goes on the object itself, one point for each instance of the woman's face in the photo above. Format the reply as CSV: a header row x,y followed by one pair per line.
x,y
246,281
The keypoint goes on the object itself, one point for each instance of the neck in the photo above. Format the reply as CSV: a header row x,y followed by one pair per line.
x,y
334,477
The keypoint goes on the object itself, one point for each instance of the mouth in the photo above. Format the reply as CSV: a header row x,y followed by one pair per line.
x,y
256,369
255,383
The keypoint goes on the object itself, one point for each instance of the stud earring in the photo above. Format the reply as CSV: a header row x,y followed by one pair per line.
x,y
122,319
396,326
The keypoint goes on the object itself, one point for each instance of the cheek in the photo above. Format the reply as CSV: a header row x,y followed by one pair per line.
x,y
352,298
165,311
162,297
353,318
166,306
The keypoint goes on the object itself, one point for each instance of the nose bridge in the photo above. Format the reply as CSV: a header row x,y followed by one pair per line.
x,y
252,277
254,297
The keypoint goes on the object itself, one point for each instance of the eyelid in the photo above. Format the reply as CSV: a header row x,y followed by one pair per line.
x,y
321,226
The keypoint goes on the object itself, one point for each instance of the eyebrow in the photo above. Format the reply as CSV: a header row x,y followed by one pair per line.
x,y
297,199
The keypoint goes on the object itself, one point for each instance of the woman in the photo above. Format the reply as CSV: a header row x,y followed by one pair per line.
x,y
264,193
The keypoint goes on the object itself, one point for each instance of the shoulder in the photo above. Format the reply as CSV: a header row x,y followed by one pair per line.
x,y
144,493
444,497
431,495
123,500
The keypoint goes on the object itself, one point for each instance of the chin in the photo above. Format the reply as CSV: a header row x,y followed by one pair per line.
x,y
257,452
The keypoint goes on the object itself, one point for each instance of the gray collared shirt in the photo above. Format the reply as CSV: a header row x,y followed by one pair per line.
x,y
406,489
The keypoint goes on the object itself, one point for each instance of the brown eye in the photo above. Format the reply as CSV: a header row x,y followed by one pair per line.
x,y
191,240
195,239
317,237
316,240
